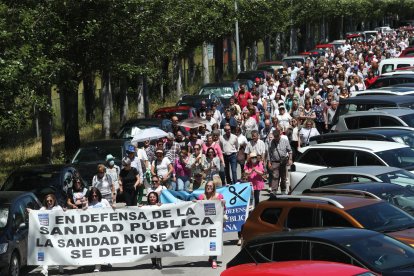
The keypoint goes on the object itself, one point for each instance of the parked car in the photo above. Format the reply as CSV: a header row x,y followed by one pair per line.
x,y
361,247
390,64
130,127
376,117
291,59
325,46
14,230
407,52
223,90
42,180
403,89
352,153
369,35
367,102
270,66
329,209
252,75
195,101
182,112
397,195
361,174
89,155
294,268
403,135
389,79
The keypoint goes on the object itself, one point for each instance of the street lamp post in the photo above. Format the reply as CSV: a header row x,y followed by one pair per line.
x,y
237,40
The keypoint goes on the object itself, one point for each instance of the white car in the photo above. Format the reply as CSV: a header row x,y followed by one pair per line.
x,y
351,153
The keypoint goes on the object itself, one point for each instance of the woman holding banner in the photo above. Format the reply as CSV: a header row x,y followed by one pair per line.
x,y
153,199
211,194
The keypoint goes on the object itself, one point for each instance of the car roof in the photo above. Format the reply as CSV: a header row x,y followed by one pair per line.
x,y
372,187
219,84
379,131
337,235
8,197
378,99
381,111
43,167
400,73
172,108
143,121
372,170
294,57
102,142
374,146
349,201
276,62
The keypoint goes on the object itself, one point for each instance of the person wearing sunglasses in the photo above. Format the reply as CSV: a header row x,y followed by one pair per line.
x,y
77,194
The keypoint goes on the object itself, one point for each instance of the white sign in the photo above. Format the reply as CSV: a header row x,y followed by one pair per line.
x,y
210,51
104,235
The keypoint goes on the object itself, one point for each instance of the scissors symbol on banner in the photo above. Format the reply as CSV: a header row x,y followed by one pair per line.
x,y
236,194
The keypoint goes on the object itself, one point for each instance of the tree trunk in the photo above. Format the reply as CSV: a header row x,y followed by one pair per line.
x,y
308,37
293,41
341,28
230,56
45,117
106,104
278,47
123,101
164,78
89,96
254,55
140,99
323,28
218,60
267,50
191,67
71,121
242,57
178,75
206,72
146,98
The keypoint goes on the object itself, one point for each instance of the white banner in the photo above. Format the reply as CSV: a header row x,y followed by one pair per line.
x,y
104,235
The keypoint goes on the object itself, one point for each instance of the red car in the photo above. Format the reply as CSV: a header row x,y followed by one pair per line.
x,y
407,52
182,112
294,268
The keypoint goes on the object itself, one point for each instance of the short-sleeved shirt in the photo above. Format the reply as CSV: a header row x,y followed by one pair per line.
x,y
128,177
162,167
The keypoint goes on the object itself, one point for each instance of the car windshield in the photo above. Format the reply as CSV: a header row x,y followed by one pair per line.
x,y
381,252
4,214
400,158
402,197
382,217
97,154
224,92
408,119
400,177
27,180
406,139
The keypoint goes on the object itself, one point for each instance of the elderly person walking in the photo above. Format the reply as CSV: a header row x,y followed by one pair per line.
x,y
279,156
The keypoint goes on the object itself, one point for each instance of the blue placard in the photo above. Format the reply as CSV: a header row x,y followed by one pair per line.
x,y
237,198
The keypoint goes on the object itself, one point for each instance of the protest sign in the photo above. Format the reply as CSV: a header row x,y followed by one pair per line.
x,y
104,235
237,198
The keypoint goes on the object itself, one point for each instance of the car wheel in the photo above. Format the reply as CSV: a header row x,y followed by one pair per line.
x,y
14,268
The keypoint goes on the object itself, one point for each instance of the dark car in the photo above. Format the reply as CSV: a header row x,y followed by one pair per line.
x,y
252,75
364,103
398,195
89,155
270,66
385,81
404,135
361,247
42,180
182,112
223,90
127,130
248,83
195,101
14,229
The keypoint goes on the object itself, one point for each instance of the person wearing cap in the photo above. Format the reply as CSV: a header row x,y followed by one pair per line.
x,y
284,117
113,171
129,180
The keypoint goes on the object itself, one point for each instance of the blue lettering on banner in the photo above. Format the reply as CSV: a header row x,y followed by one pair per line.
x,y
40,256
43,219
237,199
210,209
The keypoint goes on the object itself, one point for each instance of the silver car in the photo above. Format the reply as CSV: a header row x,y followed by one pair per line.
x,y
338,175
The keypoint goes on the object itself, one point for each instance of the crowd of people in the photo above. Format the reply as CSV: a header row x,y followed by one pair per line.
x,y
258,133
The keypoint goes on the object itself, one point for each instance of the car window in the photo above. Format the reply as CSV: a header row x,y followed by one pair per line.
x,y
387,68
389,121
19,214
271,215
331,219
331,179
401,177
367,159
284,251
408,119
351,122
24,180
403,65
330,157
325,252
300,218
312,157
367,121
361,178
400,158
4,215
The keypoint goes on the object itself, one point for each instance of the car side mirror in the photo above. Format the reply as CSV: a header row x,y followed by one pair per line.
x,y
292,168
22,226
